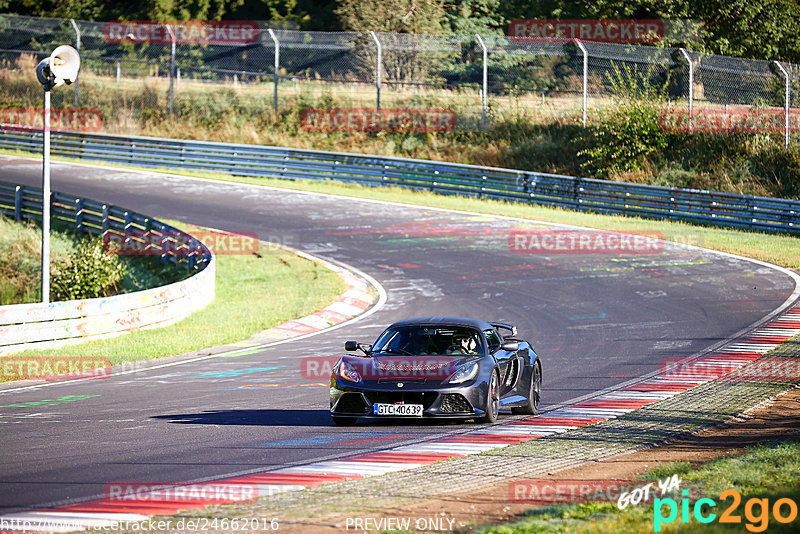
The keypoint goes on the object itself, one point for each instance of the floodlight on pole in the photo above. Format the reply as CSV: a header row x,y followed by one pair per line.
x,y
60,68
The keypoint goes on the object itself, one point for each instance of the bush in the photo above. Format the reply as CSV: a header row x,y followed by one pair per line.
x,y
624,138
89,272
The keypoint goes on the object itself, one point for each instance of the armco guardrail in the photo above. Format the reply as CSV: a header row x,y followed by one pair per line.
x,y
24,326
720,209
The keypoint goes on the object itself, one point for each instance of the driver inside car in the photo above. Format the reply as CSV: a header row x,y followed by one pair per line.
x,y
463,344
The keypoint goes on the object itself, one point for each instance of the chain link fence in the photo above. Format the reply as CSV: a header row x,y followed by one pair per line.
x,y
135,80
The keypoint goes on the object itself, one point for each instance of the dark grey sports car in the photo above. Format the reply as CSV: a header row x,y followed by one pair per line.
x,y
437,367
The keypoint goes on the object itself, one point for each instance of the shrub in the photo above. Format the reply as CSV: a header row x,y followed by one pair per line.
x,y
624,138
90,271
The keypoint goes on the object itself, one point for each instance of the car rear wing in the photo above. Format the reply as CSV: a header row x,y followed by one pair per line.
x,y
504,326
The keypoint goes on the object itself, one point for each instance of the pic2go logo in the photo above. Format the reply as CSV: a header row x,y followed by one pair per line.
x,y
784,510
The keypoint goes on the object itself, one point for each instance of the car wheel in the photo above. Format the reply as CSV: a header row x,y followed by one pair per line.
x,y
339,420
534,393
492,401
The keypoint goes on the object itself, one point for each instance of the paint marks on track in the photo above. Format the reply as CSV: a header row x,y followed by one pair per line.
x,y
713,366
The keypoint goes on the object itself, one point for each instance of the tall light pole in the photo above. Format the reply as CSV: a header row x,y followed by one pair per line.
x,y
61,67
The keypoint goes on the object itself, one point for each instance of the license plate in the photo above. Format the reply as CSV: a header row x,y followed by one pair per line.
x,y
413,410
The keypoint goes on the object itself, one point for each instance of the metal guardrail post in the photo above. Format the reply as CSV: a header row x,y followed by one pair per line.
x,y
171,68
18,203
105,217
689,62
79,214
484,94
78,48
378,68
277,63
585,77
786,100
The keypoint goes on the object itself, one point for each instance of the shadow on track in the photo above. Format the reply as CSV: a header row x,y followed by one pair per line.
x,y
297,418
252,418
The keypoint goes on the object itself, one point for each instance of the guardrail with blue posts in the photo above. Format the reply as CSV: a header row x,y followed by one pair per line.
x,y
585,194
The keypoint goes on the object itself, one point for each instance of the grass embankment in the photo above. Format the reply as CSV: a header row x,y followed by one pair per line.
x,y
21,257
253,293
621,142
770,472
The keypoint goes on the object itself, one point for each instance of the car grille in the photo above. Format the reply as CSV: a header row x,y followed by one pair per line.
x,y
351,403
455,403
425,398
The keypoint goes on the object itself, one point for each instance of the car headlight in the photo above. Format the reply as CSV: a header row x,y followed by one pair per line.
x,y
467,372
348,372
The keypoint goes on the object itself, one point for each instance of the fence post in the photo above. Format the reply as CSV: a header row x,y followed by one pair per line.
x,y
484,94
689,62
277,64
78,48
585,77
177,78
786,100
171,68
378,69
118,72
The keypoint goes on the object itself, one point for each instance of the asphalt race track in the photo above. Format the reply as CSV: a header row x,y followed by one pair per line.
x,y
596,320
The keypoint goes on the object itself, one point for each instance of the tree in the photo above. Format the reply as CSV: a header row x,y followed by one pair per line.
x,y
399,16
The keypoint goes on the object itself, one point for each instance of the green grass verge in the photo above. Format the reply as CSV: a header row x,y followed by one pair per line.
x,y
769,472
252,294
774,248
21,257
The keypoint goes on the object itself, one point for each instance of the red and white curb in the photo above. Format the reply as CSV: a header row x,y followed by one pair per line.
x,y
713,366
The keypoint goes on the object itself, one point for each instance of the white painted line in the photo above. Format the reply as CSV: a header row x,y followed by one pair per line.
x,y
449,448
518,430
556,429
343,467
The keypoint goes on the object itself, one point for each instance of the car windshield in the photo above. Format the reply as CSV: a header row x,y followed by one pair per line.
x,y
430,341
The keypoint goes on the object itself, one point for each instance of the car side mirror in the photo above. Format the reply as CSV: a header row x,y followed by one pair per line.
x,y
510,346
351,346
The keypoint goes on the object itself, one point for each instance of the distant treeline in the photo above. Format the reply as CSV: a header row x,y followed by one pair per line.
x,y
760,29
